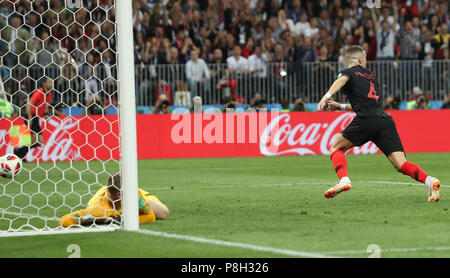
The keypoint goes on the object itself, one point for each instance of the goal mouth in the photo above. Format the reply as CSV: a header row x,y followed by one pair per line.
x,y
62,61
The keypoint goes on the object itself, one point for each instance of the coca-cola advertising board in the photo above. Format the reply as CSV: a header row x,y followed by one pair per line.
x,y
69,138
224,135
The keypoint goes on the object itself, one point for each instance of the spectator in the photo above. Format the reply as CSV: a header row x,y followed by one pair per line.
x,y
295,12
426,54
280,61
248,49
216,67
88,73
237,68
312,30
434,24
275,6
445,74
174,70
197,74
409,45
236,63
285,23
324,20
416,32
259,14
257,64
302,25
324,71
349,22
310,53
274,27
440,39
385,36
16,35
257,32
409,50
151,57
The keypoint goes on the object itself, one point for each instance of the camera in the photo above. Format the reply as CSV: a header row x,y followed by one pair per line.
x,y
165,103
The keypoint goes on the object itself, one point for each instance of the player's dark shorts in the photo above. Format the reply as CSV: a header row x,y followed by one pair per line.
x,y
381,131
34,127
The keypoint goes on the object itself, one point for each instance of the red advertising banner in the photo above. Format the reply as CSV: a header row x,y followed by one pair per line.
x,y
69,138
223,135
295,133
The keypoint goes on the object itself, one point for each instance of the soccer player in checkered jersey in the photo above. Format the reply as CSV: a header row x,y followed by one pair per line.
x,y
370,124
38,107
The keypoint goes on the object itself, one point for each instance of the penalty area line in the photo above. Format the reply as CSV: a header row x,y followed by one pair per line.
x,y
286,252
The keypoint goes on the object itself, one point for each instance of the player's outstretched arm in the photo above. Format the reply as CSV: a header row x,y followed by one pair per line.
x,y
333,106
337,85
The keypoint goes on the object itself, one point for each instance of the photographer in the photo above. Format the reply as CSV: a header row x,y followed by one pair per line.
x,y
299,105
162,105
391,103
422,103
420,100
256,103
446,104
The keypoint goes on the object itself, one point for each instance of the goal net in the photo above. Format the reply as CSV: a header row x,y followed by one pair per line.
x,y
70,142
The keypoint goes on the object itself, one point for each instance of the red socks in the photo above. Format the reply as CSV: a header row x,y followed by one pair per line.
x,y
339,163
408,168
414,171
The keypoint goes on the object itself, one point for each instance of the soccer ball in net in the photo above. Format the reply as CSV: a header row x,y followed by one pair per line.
x,y
10,165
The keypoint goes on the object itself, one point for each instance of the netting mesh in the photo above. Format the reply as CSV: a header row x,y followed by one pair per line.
x,y
72,147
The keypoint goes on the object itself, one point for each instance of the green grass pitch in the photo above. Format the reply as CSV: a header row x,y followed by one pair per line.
x,y
267,206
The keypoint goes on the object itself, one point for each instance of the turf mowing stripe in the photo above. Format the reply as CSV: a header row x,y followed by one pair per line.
x,y
235,244
407,183
4,212
343,252
58,231
294,183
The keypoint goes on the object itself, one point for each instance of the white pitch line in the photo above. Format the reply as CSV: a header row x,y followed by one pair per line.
x,y
390,250
287,252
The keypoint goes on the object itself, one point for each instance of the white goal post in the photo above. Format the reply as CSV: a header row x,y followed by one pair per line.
x,y
127,115
86,48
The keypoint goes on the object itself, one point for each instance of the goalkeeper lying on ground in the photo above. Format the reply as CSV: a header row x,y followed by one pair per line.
x,y
105,207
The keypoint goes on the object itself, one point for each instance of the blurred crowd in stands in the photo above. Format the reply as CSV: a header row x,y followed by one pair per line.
x,y
201,35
